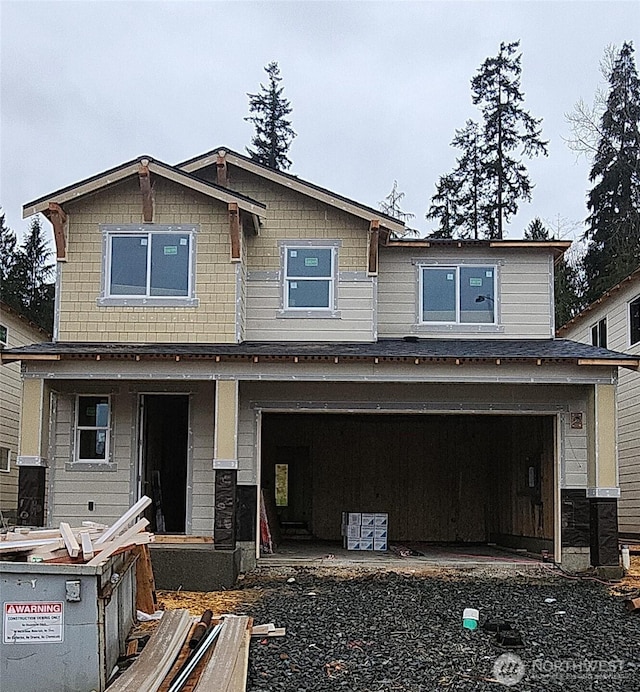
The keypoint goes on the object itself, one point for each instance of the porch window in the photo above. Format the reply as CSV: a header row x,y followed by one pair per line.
x,y
92,429
309,278
634,321
599,333
149,265
458,294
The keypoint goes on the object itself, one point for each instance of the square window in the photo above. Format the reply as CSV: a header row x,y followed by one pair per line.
x,y
309,278
149,264
458,294
92,429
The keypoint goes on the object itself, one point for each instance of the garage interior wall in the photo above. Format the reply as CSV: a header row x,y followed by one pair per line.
x,y
441,478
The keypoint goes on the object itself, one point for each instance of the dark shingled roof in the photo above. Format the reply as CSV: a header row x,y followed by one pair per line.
x,y
409,347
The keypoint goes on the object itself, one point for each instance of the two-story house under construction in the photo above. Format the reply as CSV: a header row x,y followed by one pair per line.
x,y
222,329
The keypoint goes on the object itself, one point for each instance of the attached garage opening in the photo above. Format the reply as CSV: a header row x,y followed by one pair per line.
x,y
442,478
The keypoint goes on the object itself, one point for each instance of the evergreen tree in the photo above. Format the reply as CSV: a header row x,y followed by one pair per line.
x,y
613,225
469,174
273,131
509,132
33,272
390,205
536,230
568,286
9,285
444,206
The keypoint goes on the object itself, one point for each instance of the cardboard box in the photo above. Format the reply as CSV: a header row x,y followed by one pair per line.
x,y
368,519
380,532
380,544
354,518
366,544
353,531
381,519
353,544
367,532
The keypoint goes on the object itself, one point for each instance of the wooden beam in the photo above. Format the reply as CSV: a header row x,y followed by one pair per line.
x,y
614,363
374,241
145,188
58,219
70,542
234,231
121,523
222,174
87,547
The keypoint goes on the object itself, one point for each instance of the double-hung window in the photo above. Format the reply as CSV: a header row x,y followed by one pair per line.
x,y
309,282
149,265
92,429
599,333
462,294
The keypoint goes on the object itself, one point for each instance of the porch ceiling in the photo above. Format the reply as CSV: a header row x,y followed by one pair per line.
x,y
539,351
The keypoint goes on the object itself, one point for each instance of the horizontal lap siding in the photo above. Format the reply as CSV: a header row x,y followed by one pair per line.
x,y
73,490
524,289
616,311
355,303
19,333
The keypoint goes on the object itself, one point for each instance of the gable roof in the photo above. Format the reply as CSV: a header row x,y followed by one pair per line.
x,y
294,183
130,168
604,298
7,309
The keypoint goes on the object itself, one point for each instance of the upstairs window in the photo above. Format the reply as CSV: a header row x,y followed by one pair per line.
x,y
599,333
309,278
149,265
92,429
4,336
458,295
634,321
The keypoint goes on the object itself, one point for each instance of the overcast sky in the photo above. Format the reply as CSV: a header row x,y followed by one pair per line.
x,y
377,88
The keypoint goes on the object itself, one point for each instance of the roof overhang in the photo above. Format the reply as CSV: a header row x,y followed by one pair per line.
x,y
634,276
420,352
131,169
292,182
556,247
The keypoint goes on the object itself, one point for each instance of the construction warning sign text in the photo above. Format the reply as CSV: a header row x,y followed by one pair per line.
x,y
33,623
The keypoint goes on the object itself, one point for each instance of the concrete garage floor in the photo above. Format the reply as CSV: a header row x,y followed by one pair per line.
x,y
328,553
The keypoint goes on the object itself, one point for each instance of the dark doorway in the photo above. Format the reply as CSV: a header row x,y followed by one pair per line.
x,y
163,474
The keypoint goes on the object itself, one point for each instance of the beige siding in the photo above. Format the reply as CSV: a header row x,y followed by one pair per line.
x,y
616,311
524,291
20,333
355,307
114,491
441,397
213,320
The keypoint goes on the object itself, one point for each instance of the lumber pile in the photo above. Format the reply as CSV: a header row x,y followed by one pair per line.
x,y
90,544
211,655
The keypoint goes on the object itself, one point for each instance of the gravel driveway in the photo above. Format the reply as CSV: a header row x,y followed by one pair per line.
x,y
385,631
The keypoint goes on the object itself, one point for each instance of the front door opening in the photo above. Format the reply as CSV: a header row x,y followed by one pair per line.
x,y
164,425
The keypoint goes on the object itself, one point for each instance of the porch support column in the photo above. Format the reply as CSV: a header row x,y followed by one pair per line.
x,y
602,474
32,457
225,464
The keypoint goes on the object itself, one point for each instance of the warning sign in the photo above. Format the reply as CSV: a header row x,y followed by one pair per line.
x,y
33,623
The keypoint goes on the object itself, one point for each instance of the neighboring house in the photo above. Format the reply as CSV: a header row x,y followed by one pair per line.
x,y
223,329
15,330
613,321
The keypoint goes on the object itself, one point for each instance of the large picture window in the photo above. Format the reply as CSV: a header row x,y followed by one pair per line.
x,y
149,265
92,429
309,278
458,294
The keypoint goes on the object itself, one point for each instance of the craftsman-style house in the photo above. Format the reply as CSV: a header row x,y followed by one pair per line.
x,y
223,330
613,321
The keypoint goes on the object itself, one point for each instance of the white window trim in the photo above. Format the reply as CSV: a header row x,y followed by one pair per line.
x,y
8,469
5,341
596,326
110,231
636,299
77,428
456,268
331,311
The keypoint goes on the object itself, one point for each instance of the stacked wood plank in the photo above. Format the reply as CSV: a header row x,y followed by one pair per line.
x,y
89,544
